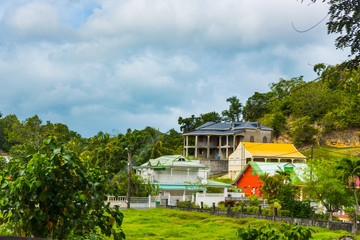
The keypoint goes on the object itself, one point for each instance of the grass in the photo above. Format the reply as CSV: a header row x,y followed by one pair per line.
x,y
175,224
331,153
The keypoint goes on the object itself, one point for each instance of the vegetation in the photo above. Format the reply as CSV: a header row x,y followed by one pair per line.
x,y
267,232
56,195
174,224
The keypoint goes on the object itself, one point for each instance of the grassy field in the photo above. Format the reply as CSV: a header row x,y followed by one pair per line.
x,y
176,224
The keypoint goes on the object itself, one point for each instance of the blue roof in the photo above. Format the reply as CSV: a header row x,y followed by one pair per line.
x,y
220,128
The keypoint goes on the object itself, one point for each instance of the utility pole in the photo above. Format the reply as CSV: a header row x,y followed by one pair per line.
x,y
311,163
129,174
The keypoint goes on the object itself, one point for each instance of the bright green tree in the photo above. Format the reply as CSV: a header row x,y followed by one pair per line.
x,y
349,172
322,183
56,195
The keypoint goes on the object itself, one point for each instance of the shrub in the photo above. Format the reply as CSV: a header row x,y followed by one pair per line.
x,y
186,204
253,200
267,232
325,217
231,203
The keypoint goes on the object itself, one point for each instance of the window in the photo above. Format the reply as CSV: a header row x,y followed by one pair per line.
x,y
252,139
264,139
245,188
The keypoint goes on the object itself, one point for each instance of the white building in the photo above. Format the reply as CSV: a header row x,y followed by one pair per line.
x,y
175,175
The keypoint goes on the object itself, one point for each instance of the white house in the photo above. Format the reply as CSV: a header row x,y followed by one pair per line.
x,y
178,177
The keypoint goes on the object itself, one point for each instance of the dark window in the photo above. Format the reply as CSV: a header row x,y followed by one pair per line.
x,y
251,138
264,139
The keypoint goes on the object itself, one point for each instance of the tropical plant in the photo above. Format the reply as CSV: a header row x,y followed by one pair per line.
x,y
56,195
349,172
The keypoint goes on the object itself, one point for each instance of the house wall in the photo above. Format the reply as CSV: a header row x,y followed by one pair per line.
x,y
250,183
175,175
237,161
258,135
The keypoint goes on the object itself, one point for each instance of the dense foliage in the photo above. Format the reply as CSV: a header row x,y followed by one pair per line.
x,y
267,232
56,194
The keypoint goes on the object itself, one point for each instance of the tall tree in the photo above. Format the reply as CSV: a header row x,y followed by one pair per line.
x,y
256,106
235,110
345,20
321,183
349,170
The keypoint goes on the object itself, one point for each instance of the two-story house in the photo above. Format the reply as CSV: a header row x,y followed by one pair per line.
x,y
219,140
177,176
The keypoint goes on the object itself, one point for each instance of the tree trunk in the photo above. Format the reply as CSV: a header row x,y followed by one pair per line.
x,y
356,201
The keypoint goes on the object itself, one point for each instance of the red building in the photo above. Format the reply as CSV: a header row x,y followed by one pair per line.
x,y
248,180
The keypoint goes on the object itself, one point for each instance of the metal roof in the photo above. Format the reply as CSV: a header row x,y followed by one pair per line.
x,y
272,167
220,128
171,161
275,150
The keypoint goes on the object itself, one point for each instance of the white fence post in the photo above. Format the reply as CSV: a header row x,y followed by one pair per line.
x,y
149,201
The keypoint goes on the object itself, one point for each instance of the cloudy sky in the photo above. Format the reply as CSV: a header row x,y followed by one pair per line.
x,y
109,65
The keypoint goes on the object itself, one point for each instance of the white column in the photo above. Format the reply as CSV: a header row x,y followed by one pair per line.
x,y
196,146
225,192
208,147
184,194
149,201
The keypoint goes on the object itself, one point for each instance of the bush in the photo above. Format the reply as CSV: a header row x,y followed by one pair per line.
x,y
186,204
253,200
267,232
56,194
325,217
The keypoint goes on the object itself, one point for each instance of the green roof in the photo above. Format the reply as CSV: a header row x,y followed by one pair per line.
x,y
271,168
171,161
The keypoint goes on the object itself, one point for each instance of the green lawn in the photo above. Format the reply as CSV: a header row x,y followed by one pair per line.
x,y
176,224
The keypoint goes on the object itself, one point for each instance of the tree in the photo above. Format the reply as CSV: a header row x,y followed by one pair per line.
x,y
349,172
344,20
56,195
256,106
188,124
322,183
235,110
278,124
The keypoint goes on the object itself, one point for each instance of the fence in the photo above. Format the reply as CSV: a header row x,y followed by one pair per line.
x,y
350,227
209,198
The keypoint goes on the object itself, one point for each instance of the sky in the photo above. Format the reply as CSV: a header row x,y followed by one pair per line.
x,y
111,65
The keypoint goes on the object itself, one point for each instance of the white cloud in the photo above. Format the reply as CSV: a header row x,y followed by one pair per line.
x,y
110,64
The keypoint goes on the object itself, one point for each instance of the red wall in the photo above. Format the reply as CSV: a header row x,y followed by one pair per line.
x,y
251,182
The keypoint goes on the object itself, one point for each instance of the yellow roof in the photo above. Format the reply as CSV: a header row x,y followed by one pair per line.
x,y
278,150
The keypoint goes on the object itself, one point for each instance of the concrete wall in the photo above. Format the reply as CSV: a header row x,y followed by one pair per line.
x,y
217,167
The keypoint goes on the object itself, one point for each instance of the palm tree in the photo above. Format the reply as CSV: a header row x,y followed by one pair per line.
x,y
349,172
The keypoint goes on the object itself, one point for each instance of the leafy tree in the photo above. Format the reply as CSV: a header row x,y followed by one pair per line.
x,y
188,124
326,187
191,123
57,195
139,186
256,106
302,131
344,20
235,110
278,124
349,172
285,87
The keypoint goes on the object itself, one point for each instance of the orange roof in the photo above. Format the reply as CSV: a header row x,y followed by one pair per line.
x,y
278,150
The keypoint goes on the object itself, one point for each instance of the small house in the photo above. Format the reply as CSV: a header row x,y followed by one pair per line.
x,y
262,152
248,180
175,175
